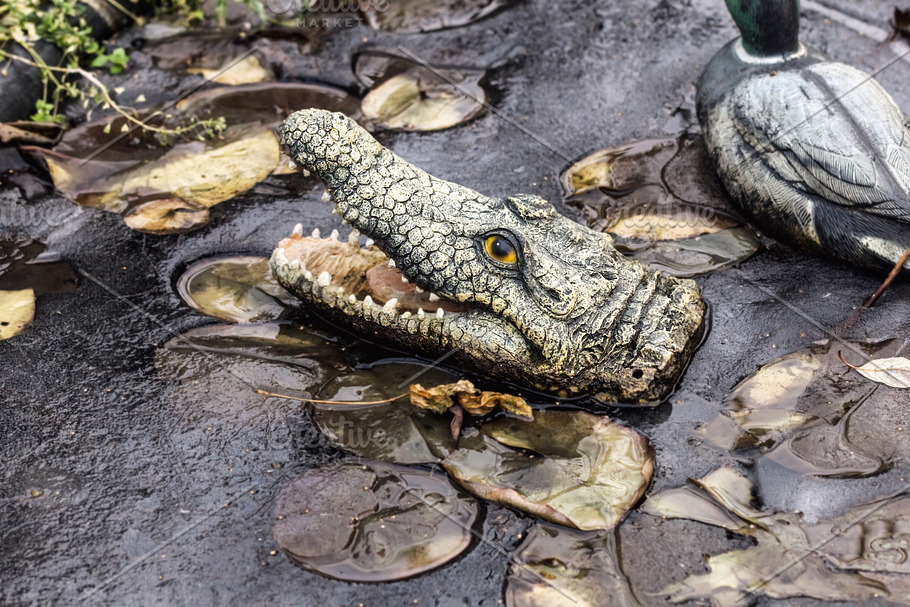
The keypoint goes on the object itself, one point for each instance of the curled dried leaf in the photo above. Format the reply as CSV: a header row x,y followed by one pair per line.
x,y
894,372
439,399
463,394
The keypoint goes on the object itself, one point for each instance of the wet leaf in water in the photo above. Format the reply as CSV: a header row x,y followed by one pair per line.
x,y
28,132
893,372
167,216
202,173
559,567
659,208
694,256
839,548
568,467
245,71
274,356
411,16
798,406
26,263
407,96
395,432
95,165
372,523
237,289
17,311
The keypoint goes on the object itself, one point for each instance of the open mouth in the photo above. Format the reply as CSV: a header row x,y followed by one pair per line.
x,y
356,277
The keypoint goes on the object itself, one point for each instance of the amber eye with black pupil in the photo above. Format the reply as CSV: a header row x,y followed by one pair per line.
x,y
500,249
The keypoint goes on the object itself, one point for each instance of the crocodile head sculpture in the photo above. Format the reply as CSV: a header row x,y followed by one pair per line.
x,y
507,286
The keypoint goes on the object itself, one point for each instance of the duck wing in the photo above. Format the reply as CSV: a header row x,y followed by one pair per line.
x,y
832,131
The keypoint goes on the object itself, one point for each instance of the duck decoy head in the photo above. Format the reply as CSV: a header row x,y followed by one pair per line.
x,y
768,27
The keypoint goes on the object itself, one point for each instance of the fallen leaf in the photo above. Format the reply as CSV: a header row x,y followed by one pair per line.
x,y
167,216
439,398
894,372
372,523
17,311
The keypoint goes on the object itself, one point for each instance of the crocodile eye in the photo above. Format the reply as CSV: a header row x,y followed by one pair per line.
x,y
500,249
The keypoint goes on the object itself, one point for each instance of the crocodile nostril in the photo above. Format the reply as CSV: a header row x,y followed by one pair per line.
x,y
638,373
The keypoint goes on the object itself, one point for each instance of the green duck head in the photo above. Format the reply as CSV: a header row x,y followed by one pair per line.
x,y
768,27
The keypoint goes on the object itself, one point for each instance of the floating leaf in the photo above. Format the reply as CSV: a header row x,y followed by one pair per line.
x,y
574,468
278,356
866,539
167,216
372,523
237,289
95,165
26,263
559,567
411,16
17,311
796,406
894,372
246,71
659,209
407,96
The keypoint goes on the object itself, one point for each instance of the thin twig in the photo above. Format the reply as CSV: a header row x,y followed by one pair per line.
x,y
894,272
336,402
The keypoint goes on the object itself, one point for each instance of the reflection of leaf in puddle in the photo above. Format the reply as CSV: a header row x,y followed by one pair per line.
x,y
238,289
659,210
17,311
406,96
868,538
412,16
372,523
798,406
592,470
559,567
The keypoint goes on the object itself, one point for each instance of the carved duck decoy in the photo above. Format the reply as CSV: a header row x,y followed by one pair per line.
x,y
813,152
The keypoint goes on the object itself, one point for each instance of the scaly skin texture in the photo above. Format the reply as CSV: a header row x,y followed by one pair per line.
x,y
571,316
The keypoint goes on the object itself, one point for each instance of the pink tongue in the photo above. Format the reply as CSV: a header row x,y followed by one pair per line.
x,y
384,283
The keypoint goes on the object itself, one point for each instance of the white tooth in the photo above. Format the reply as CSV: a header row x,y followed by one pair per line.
x,y
344,222
324,280
368,243
418,289
326,197
440,312
352,298
292,165
406,314
354,237
390,305
368,301
305,173
334,210
404,279
298,229
294,264
391,263
341,290
434,297
420,312
315,233
280,257
308,275
333,235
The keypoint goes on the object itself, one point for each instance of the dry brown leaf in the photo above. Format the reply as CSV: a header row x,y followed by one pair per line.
x,y
463,393
17,310
439,398
894,372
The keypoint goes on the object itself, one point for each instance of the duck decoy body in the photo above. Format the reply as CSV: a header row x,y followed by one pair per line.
x,y
813,152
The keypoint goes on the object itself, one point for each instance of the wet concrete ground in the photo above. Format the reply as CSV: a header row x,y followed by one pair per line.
x,y
152,491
